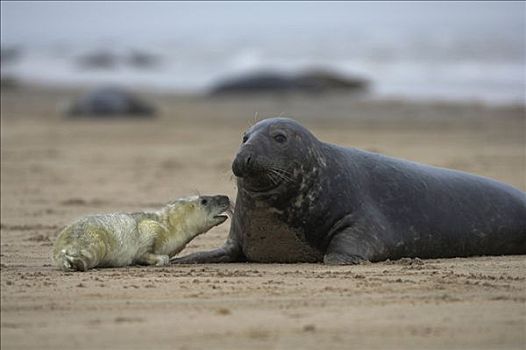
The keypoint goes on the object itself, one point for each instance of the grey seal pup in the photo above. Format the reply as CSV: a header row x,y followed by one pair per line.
x,y
147,238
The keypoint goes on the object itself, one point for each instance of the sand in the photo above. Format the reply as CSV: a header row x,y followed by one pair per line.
x,y
54,170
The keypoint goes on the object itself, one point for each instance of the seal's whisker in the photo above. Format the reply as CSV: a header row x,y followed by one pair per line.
x,y
274,173
277,178
284,175
280,175
251,124
280,169
227,174
273,179
285,178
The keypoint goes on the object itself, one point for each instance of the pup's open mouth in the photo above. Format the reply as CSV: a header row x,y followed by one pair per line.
x,y
225,214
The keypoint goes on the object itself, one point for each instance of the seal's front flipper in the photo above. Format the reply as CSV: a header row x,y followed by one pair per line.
x,y
355,239
229,252
352,246
219,255
342,259
153,259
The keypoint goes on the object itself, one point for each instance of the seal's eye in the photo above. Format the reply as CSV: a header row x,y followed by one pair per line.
x,y
280,138
245,138
204,202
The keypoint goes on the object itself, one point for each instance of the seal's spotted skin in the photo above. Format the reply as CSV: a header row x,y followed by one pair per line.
x,y
303,200
148,238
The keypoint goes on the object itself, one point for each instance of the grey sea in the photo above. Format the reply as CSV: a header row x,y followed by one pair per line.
x,y
452,51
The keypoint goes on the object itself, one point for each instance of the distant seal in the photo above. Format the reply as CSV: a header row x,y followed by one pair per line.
x,y
148,238
314,81
303,200
109,101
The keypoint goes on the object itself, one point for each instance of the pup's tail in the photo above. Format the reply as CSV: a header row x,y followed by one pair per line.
x,y
79,247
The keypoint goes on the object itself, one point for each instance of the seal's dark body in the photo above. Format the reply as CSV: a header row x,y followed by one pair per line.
x,y
346,205
404,209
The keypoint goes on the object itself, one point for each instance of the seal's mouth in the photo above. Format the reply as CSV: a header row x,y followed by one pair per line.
x,y
259,182
262,191
224,213
259,187
268,179
260,175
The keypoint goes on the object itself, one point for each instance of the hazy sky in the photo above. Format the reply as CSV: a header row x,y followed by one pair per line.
x,y
54,22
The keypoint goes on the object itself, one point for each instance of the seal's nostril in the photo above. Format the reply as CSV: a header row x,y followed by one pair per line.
x,y
247,162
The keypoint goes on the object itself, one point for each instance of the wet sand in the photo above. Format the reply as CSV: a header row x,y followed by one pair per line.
x,y
54,170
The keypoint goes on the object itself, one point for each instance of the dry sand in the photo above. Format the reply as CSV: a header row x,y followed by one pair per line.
x,y
55,170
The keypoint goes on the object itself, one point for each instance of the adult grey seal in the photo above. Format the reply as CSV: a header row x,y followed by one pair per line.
x,y
150,238
110,101
314,81
303,200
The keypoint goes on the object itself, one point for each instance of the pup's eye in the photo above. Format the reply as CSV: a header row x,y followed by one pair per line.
x,y
245,138
280,138
204,202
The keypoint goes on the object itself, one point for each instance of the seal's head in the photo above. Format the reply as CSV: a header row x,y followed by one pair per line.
x,y
198,213
272,157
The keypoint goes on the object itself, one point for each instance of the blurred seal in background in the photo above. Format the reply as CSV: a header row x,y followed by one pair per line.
x,y
108,102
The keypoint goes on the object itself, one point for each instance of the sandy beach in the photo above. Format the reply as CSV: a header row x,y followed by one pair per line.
x,y
54,170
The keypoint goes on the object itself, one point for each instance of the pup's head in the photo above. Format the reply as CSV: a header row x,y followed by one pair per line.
x,y
198,213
